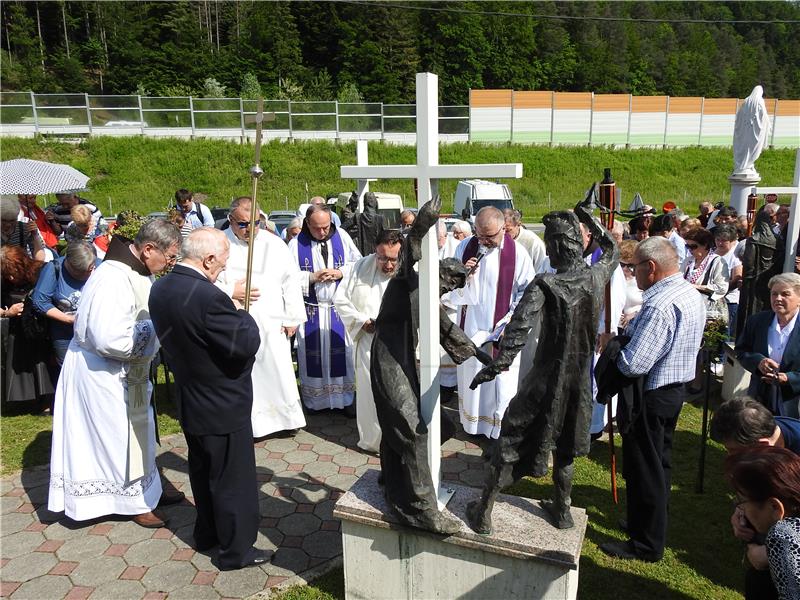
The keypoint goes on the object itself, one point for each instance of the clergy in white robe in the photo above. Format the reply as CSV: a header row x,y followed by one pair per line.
x,y
529,240
358,301
504,269
103,450
277,307
324,354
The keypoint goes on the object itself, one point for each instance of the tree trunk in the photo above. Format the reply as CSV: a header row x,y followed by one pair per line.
x,y
103,38
87,21
236,4
216,14
64,23
39,30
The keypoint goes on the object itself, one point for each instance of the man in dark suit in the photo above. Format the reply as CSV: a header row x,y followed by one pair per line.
x,y
210,346
769,347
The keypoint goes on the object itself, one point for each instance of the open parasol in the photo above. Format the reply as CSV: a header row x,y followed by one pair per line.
x,y
26,176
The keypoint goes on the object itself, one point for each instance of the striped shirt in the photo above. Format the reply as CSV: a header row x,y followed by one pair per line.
x,y
665,335
64,218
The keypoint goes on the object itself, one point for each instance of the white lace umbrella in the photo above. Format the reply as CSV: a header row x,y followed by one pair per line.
x,y
25,176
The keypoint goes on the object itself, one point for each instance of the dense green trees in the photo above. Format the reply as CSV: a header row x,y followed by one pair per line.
x,y
324,50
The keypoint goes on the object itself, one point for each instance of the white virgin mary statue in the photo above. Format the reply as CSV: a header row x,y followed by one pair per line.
x,y
750,133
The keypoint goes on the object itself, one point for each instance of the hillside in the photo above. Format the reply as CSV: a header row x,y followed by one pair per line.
x,y
143,173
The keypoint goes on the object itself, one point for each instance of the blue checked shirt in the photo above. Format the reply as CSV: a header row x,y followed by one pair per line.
x,y
665,335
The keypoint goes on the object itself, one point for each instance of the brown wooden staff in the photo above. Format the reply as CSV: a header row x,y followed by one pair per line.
x,y
608,201
752,209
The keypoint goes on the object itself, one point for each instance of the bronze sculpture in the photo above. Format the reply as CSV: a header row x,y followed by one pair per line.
x,y
405,472
552,409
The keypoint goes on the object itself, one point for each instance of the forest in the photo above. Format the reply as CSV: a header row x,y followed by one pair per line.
x,y
354,50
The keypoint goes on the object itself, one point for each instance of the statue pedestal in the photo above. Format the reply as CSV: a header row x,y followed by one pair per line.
x,y
741,186
736,378
525,557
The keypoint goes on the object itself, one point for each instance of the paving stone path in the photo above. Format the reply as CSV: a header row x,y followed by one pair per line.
x,y
45,555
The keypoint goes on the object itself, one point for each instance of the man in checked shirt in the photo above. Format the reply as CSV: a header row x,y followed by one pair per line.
x,y
665,339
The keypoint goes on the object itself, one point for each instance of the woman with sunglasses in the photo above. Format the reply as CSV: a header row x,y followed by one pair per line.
x,y
767,483
710,276
707,272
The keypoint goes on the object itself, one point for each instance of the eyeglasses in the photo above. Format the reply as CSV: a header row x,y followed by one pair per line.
x,y
692,246
386,259
632,266
490,236
170,258
244,224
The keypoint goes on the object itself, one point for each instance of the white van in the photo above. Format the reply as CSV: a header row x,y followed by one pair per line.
x,y
473,194
389,205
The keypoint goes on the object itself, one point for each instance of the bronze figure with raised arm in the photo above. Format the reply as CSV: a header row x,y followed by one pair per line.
x,y
552,410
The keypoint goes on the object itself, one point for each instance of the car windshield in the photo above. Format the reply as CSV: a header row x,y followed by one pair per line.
x,y
501,204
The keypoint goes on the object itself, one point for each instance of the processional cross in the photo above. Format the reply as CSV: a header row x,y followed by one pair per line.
x,y
427,172
255,173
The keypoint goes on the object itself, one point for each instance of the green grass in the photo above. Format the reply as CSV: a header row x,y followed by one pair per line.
x,y
143,173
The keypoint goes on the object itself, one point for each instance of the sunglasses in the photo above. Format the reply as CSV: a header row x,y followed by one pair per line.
x,y
244,224
692,246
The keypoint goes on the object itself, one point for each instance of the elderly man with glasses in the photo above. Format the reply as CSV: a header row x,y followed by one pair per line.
x,y
277,307
500,270
103,451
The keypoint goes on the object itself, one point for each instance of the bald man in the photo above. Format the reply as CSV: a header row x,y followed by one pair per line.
x,y
502,270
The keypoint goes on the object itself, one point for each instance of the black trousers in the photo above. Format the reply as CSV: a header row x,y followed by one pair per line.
x,y
647,467
222,471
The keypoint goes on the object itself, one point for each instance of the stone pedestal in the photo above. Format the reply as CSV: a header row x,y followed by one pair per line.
x,y
741,186
525,557
736,379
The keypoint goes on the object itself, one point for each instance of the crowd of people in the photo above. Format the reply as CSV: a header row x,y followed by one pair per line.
x,y
317,289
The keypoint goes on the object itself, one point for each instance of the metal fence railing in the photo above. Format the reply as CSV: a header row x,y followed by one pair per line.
x,y
28,113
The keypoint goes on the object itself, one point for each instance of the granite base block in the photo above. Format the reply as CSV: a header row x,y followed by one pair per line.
x,y
525,557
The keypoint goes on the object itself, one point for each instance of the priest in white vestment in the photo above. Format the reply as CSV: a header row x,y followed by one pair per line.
x,y
529,240
103,450
358,301
277,307
504,269
324,354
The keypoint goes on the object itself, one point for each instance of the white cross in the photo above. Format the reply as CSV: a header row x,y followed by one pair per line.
x,y
793,229
427,172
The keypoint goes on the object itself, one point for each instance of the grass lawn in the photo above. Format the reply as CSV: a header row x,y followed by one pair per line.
x,y
702,559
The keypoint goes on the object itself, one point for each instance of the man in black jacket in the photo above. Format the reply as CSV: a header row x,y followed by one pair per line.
x,y
210,346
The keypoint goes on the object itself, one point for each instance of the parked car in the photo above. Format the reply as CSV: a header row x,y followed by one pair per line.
x,y
473,194
281,218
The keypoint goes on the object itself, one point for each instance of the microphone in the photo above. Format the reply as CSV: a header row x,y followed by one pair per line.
x,y
482,251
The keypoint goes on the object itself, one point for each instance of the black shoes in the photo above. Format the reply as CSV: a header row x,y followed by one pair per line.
x,y
254,558
626,551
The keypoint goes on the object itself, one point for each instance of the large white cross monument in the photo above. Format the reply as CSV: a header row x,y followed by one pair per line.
x,y
427,172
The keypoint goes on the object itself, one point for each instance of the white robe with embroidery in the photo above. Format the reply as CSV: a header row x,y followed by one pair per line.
x,y
276,399
482,410
319,393
358,299
89,453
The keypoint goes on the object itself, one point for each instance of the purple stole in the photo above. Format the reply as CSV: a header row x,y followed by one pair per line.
x,y
313,337
505,278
